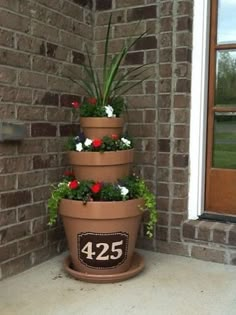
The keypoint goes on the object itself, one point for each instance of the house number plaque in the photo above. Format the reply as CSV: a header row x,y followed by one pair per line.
x,y
102,250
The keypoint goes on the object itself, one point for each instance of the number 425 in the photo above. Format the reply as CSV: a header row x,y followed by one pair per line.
x,y
101,250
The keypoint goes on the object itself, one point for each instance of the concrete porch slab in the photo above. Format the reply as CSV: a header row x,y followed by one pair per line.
x,y
169,285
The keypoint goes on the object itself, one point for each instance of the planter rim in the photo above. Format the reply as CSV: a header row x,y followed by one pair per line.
x,y
101,210
101,158
103,122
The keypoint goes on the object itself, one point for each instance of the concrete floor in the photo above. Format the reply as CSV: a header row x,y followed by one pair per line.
x,y
169,285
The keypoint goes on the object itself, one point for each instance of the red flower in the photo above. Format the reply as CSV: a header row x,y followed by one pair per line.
x,y
96,188
97,143
114,137
74,184
75,104
92,100
68,173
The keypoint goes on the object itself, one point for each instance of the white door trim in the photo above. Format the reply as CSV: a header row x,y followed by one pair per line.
x,y
198,116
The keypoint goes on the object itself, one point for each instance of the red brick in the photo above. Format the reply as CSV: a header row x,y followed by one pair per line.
x,y
165,54
71,10
31,243
184,23
180,160
43,130
14,199
142,13
69,130
185,7
166,40
134,58
149,42
14,21
14,232
7,217
7,75
16,265
45,98
189,229
30,44
45,161
166,24
8,252
44,31
232,236
16,95
84,3
7,182
41,193
166,8
31,211
208,254
6,38
47,66
32,79
34,113
15,59
173,248
13,165
101,5
204,230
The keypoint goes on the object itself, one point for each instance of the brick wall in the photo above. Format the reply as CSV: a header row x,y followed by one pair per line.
x,y
159,116
158,109
41,44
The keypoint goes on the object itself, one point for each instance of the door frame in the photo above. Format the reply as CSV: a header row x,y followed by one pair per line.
x,y
198,114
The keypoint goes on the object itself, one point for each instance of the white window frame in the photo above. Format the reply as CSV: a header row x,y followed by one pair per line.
x,y
198,116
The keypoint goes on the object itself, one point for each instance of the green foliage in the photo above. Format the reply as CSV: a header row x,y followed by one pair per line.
x,y
114,83
112,143
88,191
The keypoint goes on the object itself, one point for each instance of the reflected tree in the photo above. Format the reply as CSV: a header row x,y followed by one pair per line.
x,y
226,79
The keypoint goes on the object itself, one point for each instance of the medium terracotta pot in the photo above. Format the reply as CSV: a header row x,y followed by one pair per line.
x,y
101,235
99,127
101,166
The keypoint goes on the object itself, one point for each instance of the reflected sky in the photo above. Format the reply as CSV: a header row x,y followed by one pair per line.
x,y
226,22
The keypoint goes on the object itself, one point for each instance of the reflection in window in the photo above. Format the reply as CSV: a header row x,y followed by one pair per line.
x,y
225,94
224,148
226,22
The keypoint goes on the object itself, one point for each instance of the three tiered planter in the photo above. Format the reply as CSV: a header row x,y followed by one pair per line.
x,y
102,235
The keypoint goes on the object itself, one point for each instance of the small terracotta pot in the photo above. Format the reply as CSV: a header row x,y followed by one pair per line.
x,y
101,235
99,127
101,166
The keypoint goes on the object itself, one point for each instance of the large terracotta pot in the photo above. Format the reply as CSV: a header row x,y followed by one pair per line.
x,y
99,127
101,166
101,235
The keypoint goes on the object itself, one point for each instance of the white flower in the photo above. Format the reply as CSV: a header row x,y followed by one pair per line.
x,y
61,185
79,147
126,142
109,110
88,142
123,190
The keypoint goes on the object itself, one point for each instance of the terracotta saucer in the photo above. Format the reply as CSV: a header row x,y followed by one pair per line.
x,y
137,266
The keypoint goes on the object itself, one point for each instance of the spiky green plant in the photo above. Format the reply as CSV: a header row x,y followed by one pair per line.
x,y
113,83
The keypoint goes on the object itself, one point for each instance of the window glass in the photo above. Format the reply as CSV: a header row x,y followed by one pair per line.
x,y
224,146
226,22
225,94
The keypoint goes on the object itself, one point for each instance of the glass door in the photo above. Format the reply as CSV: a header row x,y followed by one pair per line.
x,y
221,142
